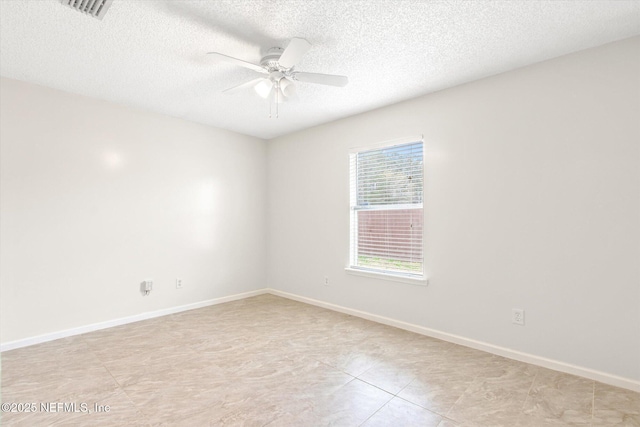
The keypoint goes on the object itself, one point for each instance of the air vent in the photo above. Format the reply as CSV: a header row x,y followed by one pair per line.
x,y
95,8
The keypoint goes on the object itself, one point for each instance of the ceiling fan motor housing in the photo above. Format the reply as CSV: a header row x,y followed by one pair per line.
x,y
270,60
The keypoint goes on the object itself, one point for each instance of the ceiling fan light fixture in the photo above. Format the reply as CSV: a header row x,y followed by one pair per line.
x,y
264,88
287,87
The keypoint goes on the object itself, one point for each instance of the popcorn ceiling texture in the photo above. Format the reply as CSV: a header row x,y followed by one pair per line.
x,y
152,54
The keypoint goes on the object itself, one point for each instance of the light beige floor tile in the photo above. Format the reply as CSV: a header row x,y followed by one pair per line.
x,y
399,412
43,418
82,409
476,412
614,418
203,418
271,361
437,389
58,384
350,405
113,409
505,373
161,401
50,358
458,356
261,412
390,376
496,397
558,399
129,343
136,367
422,351
318,383
354,359
614,406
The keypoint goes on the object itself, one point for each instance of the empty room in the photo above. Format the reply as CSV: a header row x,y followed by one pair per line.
x,y
320,213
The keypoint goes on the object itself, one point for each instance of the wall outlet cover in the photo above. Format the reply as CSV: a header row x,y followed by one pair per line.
x,y
517,316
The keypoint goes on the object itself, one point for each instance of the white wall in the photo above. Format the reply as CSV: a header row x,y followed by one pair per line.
x,y
532,201
97,197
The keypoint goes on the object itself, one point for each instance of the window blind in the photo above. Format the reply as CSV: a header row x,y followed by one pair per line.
x,y
387,209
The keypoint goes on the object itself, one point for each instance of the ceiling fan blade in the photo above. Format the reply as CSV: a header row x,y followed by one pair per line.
x,y
294,52
244,85
240,62
322,79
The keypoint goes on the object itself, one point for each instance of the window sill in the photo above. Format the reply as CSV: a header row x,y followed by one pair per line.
x,y
386,276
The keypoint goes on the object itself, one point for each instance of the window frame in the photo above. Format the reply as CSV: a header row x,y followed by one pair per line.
x,y
351,268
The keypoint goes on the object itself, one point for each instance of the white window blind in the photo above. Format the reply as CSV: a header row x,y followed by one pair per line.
x,y
387,209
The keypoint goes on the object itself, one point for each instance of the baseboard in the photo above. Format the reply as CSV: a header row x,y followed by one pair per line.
x,y
11,345
556,365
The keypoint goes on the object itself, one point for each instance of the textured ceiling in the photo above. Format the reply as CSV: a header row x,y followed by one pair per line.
x,y
152,54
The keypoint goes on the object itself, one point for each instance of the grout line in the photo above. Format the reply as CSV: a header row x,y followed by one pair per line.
x,y
458,399
378,410
378,387
524,404
465,391
593,403
404,388
531,386
120,387
443,417
104,365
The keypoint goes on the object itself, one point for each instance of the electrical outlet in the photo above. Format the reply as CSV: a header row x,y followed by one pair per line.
x,y
517,316
326,281
178,283
146,287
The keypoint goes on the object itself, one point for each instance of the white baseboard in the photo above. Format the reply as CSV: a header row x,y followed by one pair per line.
x,y
11,345
556,365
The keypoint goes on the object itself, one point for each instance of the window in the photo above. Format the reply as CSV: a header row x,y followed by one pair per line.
x,y
387,210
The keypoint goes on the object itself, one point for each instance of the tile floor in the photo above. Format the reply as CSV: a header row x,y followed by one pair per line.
x,y
269,361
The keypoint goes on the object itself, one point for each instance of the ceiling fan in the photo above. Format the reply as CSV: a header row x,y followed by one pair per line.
x,y
279,75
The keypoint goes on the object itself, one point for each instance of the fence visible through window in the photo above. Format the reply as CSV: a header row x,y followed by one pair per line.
x,y
387,218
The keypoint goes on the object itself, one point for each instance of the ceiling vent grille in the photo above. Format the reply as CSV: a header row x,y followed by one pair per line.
x,y
95,8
